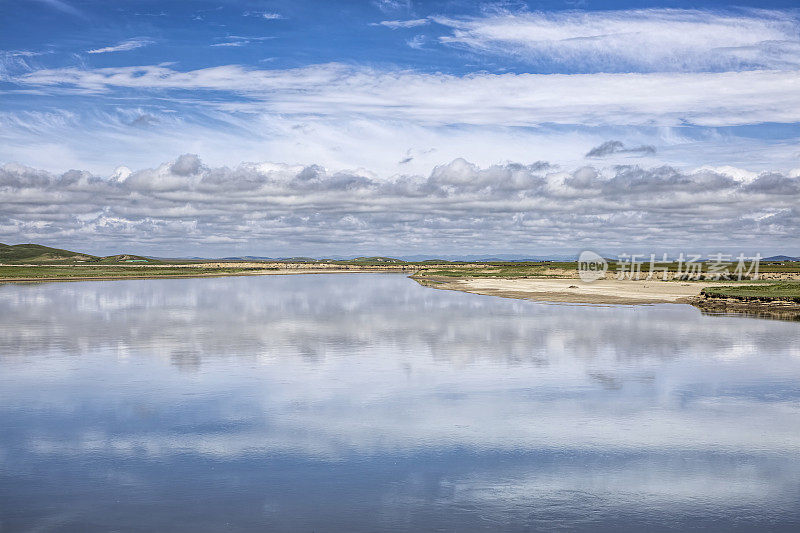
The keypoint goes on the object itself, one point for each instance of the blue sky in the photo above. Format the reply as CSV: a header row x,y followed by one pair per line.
x,y
391,90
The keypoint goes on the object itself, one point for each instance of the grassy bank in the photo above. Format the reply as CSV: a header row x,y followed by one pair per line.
x,y
502,270
783,291
545,269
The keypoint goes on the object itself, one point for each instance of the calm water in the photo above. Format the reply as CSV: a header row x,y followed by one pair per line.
x,y
368,403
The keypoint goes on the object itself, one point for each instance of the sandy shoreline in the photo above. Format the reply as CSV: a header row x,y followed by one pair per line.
x,y
575,291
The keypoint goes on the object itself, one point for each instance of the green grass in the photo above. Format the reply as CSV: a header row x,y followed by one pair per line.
x,y
502,270
550,269
44,255
37,252
781,291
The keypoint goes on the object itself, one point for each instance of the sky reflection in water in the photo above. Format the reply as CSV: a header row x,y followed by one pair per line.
x,y
365,402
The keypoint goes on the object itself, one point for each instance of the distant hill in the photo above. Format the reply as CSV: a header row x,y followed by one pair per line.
x,y
36,253
511,258
377,260
127,258
39,253
238,258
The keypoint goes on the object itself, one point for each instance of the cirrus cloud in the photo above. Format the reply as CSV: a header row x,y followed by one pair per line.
x,y
395,24
642,40
705,98
124,46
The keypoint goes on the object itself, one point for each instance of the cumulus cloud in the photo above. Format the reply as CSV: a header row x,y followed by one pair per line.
x,y
617,147
184,205
635,40
707,98
124,46
186,165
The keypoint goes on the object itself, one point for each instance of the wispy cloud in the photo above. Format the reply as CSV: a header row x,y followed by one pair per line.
x,y
237,41
417,42
268,15
395,24
16,61
635,40
392,6
124,46
62,6
707,99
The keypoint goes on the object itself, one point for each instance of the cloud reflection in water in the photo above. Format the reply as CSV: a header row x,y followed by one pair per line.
x,y
366,401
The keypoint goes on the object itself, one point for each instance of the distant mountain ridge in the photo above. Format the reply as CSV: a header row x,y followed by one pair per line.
x,y
42,254
37,253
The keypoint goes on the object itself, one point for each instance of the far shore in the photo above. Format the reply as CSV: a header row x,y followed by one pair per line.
x,y
545,283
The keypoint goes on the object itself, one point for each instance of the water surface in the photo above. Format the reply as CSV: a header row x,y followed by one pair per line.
x,y
364,402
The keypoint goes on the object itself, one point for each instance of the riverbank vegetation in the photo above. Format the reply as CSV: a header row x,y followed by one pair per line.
x,y
788,291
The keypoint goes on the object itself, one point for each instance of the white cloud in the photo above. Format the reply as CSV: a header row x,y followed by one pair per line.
x,y
124,46
236,41
395,24
635,40
268,15
654,99
63,7
16,61
144,135
304,208
391,6
416,42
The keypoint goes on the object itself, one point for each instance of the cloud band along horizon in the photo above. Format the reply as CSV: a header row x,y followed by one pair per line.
x,y
184,207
